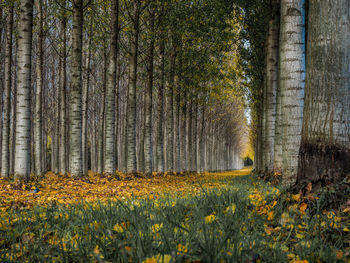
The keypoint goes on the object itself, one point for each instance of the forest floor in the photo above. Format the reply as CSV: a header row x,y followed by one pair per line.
x,y
213,217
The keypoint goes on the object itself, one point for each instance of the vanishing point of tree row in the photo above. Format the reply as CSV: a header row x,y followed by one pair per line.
x,y
107,85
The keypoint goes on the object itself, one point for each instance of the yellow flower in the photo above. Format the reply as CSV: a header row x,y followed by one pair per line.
x,y
181,248
95,224
274,204
157,227
299,236
127,248
209,219
231,209
270,215
97,251
330,215
158,258
150,260
118,228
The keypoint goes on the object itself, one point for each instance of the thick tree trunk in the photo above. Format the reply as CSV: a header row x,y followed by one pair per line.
x,y
132,112
5,156
38,115
292,82
75,127
110,149
325,148
23,123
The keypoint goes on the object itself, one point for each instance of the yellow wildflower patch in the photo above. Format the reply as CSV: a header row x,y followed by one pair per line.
x,y
209,219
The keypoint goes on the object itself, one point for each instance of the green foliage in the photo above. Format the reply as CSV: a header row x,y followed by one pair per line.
x,y
227,225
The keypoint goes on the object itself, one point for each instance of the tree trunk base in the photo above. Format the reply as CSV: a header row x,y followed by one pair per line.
x,y
322,165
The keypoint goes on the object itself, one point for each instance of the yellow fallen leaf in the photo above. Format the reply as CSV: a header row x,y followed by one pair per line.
x,y
296,197
270,215
303,207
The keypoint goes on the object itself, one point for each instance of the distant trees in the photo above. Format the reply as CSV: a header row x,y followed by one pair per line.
x,y
137,88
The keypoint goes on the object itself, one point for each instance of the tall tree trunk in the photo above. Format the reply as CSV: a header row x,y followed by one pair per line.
x,y
178,128
160,140
101,140
185,133
110,150
14,115
259,139
75,127
171,129
149,98
271,89
63,108
325,148
85,104
278,158
38,115
5,156
189,141
23,123
132,112
292,82
118,152
57,131
195,137
203,142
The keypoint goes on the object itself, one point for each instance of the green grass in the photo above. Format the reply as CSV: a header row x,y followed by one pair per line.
x,y
140,229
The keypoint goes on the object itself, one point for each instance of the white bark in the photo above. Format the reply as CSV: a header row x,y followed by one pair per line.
x,y
270,102
75,147
292,82
23,123
110,149
38,117
325,150
5,156
63,115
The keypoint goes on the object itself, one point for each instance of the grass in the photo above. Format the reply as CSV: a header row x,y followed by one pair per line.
x,y
231,217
